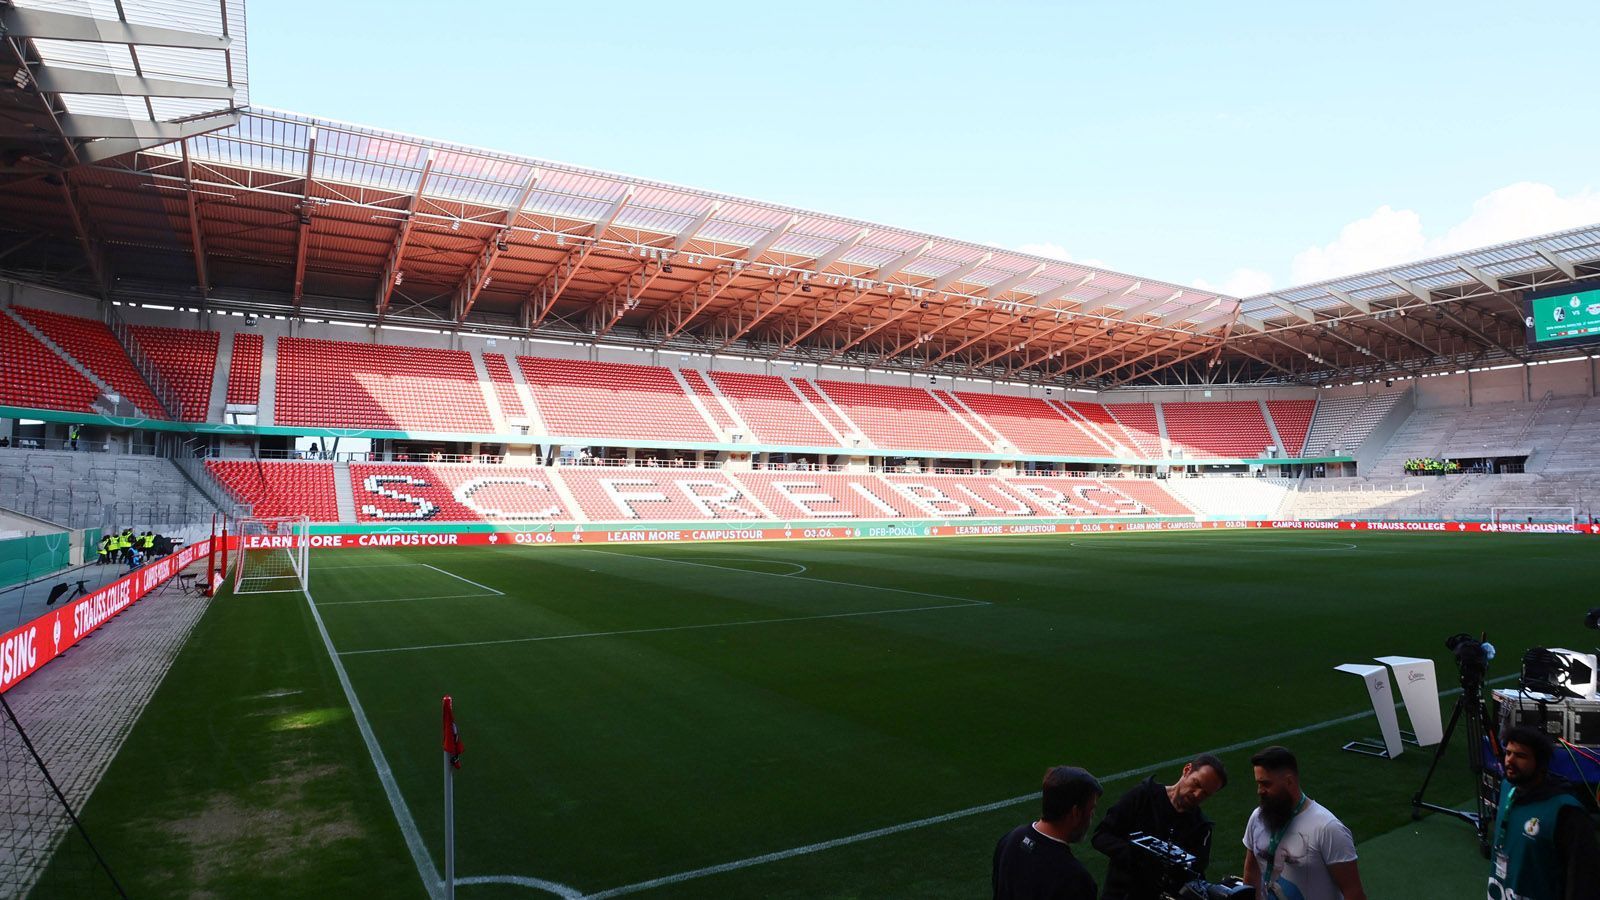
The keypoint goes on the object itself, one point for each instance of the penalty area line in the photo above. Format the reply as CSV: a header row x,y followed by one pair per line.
x,y
886,831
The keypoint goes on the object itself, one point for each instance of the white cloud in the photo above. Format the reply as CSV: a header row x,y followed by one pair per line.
x,y
1056,251
1239,283
1391,237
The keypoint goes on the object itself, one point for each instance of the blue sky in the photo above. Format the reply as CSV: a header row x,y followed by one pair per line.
x,y
1241,146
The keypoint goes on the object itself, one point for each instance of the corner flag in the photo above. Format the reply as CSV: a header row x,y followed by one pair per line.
x,y
452,737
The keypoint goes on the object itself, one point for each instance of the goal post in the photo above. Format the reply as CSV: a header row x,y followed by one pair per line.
x,y
273,554
1533,515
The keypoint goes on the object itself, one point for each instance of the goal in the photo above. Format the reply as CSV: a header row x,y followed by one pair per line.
x,y
274,552
1533,515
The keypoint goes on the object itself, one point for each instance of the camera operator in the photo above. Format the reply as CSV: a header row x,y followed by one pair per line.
x,y
1034,861
1295,847
1544,840
1170,812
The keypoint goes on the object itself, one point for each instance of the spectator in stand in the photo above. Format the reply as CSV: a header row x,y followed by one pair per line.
x,y
316,452
5,440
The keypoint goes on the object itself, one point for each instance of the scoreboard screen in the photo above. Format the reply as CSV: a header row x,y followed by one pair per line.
x,y
1568,316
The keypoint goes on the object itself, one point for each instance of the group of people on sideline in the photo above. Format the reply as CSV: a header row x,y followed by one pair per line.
x,y
1427,465
1545,845
129,549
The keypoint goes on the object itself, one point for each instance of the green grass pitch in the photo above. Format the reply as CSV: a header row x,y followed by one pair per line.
x,y
631,714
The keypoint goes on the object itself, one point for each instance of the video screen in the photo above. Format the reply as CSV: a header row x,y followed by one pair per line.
x,y
1570,315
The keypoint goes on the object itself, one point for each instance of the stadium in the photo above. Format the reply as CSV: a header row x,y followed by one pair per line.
x,y
760,552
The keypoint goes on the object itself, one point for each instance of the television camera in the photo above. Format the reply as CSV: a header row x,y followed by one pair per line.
x,y
1179,880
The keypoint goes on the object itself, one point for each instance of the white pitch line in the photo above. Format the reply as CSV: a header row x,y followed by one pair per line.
x,y
407,599
431,881
409,565
869,587
886,831
467,580
549,887
627,631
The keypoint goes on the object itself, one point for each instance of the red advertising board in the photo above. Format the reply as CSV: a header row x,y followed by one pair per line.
x,y
599,534
25,649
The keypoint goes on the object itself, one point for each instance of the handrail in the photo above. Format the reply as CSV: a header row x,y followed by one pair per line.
x,y
143,364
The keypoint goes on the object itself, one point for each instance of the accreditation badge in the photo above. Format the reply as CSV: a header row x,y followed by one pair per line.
x,y
1501,864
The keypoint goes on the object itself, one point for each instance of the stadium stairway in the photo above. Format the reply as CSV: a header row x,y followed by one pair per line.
x,y
217,411
1272,429
491,399
343,493
267,406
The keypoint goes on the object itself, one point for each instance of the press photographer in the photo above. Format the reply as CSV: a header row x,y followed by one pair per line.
x,y
1170,813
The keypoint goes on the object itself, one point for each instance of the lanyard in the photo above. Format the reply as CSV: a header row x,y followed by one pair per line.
x,y
1272,848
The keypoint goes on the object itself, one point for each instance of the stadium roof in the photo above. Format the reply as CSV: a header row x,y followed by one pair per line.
x,y
278,212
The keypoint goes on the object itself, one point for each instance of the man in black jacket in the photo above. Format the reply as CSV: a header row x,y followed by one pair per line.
x,y
1034,861
1169,812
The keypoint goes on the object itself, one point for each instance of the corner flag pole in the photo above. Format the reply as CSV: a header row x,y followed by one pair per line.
x,y
452,761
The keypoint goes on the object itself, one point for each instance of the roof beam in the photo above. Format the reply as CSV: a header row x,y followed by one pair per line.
x,y
746,256
1151,371
1480,335
1117,367
626,295
1295,309
1354,303
1039,357
958,273
802,284
481,272
894,266
56,80
303,233
196,240
1369,352
392,273
1062,290
1068,367
1112,296
860,294
1409,287
881,274
549,290
693,228
993,291
99,268
37,24
893,317
1554,259
1480,276
1205,313
1145,307
1262,359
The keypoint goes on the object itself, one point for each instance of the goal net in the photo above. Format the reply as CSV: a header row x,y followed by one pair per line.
x,y
1533,515
274,553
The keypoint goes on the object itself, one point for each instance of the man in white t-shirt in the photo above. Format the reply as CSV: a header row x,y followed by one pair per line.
x,y
1297,849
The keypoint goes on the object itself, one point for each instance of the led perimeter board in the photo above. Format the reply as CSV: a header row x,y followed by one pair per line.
x,y
1568,315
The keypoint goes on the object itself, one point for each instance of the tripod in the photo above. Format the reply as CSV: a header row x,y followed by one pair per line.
x,y
1469,706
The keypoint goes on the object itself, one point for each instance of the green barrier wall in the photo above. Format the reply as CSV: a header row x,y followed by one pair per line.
x,y
30,557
